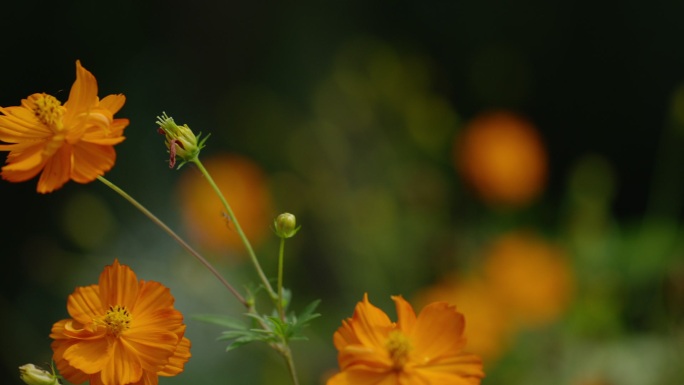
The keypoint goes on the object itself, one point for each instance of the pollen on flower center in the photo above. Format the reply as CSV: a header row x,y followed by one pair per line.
x,y
117,319
398,346
49,110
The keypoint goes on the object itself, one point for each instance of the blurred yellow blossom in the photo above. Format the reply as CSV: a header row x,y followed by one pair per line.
x,y
243,183
532,277
502,157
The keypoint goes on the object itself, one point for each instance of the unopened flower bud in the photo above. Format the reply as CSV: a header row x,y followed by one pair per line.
x,y
33,375
180,140
286,225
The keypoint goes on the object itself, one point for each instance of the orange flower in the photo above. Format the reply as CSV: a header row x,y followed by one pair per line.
x,y
245,187
502,157
532,277
71,141
489,331
427,349
123,331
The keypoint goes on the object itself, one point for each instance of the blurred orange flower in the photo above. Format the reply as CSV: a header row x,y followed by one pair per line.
x,y
427,349
244,185
502,157
123,331
488,331
531,276
71,141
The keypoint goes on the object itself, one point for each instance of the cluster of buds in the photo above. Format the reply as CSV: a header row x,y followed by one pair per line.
x,y
180,140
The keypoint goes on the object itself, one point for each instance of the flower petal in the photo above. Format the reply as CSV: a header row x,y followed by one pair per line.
x,y
148,378
406,317
124,367
438,331
67,371
25,163
57,331
177,362
364,357
57,170
463,365
118,286
91,160
84,304
153,350
95,380
155,336
108,135
78,331
370,324
430,377
83,94
152,296
113,103
359,377
89,356
168,319
117,127
19,124
24,117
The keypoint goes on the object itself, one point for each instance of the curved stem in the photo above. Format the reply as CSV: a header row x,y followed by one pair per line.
x,y
177,238
238,228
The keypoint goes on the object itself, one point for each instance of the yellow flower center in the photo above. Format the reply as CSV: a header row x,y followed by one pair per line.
x,y
398,346
49,111
117,319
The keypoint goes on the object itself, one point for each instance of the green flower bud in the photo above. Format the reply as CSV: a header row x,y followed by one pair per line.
x,y
33,375
180,140
286,225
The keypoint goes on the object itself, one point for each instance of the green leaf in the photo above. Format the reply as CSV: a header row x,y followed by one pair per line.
x,y
308,312
221,320
233,334
262,328
239,342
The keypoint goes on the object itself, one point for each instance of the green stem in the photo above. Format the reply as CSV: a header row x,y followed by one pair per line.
x,y
276,297
281,308
286,352
241,233
291,366
177,238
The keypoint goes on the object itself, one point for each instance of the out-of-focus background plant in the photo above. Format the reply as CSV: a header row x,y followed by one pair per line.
x,y
522,160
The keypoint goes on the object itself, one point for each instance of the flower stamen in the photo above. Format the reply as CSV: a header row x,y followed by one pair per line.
x,y
117,319
398,346
49,111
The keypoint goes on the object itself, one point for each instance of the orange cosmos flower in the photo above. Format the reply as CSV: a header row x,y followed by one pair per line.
x,y
71,141
123,331
427,349
245,186
502,156
532,277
